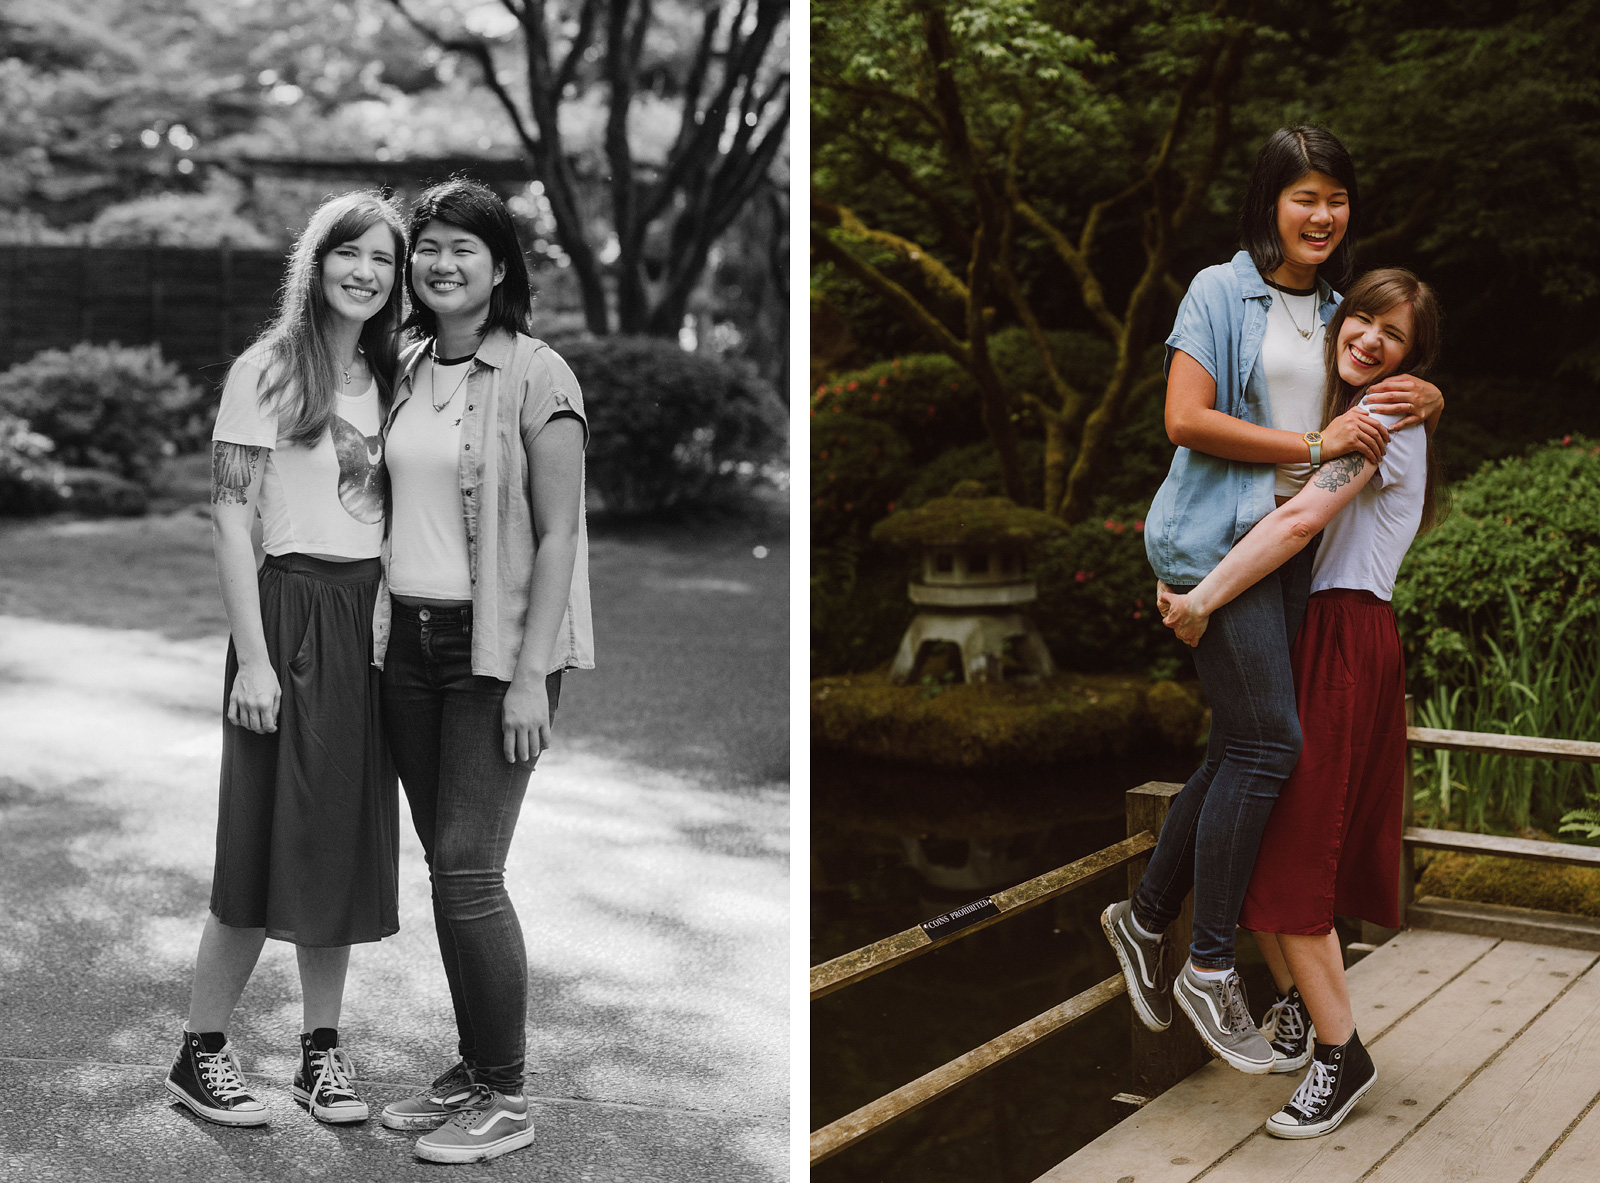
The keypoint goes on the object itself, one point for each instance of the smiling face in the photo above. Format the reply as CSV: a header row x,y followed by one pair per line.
x,y
357,276
1372,345
453,273
1313,214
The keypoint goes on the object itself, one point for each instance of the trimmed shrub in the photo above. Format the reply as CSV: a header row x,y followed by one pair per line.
x,y
858,467
30,480
105,406
672,429
1530,524
1097,595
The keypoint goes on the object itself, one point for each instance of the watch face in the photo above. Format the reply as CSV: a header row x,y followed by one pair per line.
x,y
1313,437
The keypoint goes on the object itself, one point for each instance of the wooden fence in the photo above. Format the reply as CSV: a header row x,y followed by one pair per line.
x,y
201,305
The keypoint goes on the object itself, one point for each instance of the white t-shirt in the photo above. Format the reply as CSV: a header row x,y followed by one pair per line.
x,y
1363,546
1296,377
428,550
326,500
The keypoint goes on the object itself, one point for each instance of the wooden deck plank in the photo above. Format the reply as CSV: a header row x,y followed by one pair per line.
x,y
1577,1159
1497,1128
1190,1126
1421,1062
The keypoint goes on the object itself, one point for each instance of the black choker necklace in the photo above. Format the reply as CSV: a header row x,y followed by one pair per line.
x,y
450,361
1310,291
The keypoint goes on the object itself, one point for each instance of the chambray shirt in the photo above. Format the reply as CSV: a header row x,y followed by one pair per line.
x,y
515,384
1206,504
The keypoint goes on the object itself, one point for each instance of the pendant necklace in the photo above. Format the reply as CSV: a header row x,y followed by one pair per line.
x,y
433,378
1304,333
345,370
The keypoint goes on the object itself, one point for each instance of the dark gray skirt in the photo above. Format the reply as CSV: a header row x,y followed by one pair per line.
x,y
307,829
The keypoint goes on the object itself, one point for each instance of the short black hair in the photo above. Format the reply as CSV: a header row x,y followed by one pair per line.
x,y
476,208
1289,154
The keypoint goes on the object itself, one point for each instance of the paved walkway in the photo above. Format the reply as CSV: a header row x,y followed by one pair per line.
x,y
650,870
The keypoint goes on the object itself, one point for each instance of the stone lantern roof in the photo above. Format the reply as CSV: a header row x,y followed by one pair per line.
x,y
967,518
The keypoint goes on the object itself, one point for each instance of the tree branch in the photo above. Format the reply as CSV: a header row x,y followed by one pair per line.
x,y
896,296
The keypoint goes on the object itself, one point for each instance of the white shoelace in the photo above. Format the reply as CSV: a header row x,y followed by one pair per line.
x,y
222,1073
1282,1021
1235,1011
1314,1090
331,1072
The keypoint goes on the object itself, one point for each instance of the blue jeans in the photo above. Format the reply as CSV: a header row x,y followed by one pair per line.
x,y
445,736
1214,825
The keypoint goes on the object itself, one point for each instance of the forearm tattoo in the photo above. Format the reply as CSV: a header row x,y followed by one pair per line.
x,y
233,468
1336,474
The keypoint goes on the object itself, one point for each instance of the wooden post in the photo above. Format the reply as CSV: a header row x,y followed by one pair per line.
x,y
1162,1059
1408,865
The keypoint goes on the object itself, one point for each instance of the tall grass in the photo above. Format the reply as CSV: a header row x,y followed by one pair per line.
x,y
1529,681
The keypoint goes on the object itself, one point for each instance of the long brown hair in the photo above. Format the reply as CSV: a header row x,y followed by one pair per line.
x,y
300,356
1375,293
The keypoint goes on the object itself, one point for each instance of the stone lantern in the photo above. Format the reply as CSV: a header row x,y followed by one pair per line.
x,y
975,583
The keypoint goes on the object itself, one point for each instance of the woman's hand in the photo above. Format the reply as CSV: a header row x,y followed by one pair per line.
x,y
1406,394
254,701
1178,614
1355,431
525,722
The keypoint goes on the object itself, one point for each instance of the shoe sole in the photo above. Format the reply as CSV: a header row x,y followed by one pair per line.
x,y
217,1116
1130,976
460,1154
1294,1132
1282,1064
1231,1059
340,1115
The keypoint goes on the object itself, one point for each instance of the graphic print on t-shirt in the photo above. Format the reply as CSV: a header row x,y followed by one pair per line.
x,y
360,471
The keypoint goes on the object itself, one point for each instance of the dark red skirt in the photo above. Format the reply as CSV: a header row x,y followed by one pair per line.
x,y
1332,845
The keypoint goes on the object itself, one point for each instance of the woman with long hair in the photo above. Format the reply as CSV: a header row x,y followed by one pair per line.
x,y
307,835
489,593
1332,844
1245,392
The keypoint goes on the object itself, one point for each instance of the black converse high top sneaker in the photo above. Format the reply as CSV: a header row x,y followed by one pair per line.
x,y
1338,1078
1287,1027
206,1078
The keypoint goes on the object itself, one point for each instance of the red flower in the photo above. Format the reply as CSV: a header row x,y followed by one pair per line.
x,y
895,363
823,389
1565,440
1080,576
838,390
1110,525
1138,527
1138,603
876,397
1136,615
852,386
883,381
822,455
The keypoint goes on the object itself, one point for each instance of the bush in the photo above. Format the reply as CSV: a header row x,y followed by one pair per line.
x,y
30,481
670,428
1097,599
105,406
1528,524
858,467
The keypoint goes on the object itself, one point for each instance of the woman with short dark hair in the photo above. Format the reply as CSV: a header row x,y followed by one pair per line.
x,y
489,593
307,837
1245,386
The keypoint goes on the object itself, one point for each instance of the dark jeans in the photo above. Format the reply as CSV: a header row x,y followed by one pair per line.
x,y
1214,826
444,731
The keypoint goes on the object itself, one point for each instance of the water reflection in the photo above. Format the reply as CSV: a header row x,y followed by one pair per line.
x,y
893,847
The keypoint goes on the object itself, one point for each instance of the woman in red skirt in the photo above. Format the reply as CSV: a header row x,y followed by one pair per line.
x,y
1332,844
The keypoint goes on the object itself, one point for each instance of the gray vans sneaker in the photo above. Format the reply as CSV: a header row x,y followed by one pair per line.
x,y
1220,1014
1144,966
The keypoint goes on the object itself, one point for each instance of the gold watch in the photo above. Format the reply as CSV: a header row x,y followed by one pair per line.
x,y
1314,441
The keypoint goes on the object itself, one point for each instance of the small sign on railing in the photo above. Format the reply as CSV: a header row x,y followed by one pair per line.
x,y
962,917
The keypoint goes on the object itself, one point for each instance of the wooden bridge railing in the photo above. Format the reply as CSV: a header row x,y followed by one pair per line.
x,y
1160,1061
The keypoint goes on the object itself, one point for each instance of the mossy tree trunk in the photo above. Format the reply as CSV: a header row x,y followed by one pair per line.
x,y
1078,424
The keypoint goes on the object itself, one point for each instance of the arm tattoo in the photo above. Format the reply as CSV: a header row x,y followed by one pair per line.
x,y
233,467
1336,474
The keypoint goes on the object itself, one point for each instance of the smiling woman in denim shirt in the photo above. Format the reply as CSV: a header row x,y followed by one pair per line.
x,y
488,604
1245,388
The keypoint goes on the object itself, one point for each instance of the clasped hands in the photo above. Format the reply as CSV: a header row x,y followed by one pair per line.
x,y
1178,613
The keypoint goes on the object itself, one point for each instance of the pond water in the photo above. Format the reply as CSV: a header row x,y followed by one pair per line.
x,y
891,848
